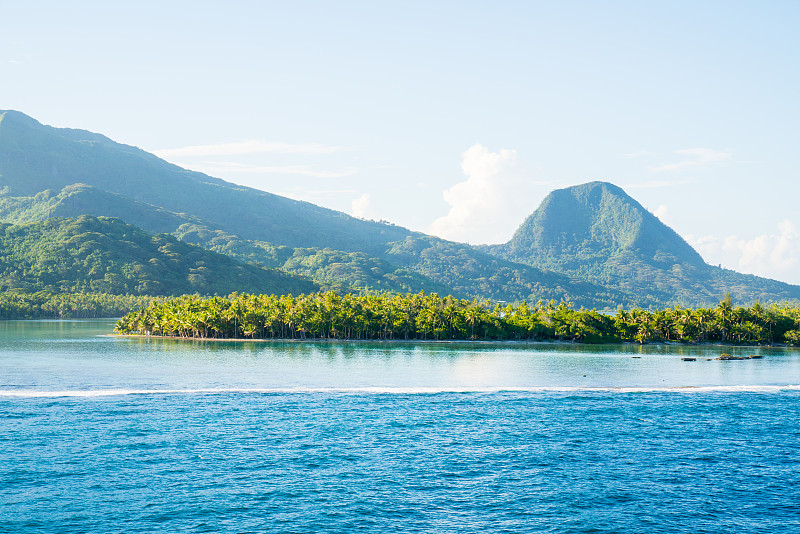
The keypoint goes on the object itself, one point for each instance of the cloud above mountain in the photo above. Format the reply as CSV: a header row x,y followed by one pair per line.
x,y
491,202
774,255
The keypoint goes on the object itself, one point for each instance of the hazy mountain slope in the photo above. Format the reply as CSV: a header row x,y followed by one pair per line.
x,y
107,255
432,265
81,199
48,171
472,272
592,223
35,158
333,269
608,250
417,264
597,232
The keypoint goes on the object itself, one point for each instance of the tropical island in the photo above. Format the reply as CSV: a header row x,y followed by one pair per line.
x,y
94,228
420,316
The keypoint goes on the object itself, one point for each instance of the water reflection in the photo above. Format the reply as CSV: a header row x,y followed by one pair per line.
x,y
81,354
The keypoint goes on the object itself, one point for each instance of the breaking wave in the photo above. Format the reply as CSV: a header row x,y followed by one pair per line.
x,y
382,390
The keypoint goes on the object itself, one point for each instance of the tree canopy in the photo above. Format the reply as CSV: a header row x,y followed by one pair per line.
x,y
106,255
420,316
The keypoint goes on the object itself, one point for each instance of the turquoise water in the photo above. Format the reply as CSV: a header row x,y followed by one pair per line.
x,y
105,434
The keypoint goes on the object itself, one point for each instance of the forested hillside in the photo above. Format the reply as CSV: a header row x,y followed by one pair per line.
x,y
592,245
596,232
106,255
49,171
36,158
419,263
81,199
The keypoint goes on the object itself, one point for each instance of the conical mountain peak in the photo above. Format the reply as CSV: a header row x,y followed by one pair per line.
x,y
595,222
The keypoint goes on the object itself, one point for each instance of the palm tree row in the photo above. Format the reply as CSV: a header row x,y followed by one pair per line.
x,y
328,315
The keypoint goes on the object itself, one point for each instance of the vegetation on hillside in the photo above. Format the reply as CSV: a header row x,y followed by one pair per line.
x,y
590,223
35,158
474,274
420,263
49,305
331,269
80,199
106,255
328,315
591,244
596,232
70,172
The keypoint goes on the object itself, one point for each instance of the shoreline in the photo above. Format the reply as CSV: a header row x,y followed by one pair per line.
x,y
441,341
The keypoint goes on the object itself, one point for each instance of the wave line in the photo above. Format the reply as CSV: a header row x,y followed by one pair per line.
x,y
379,390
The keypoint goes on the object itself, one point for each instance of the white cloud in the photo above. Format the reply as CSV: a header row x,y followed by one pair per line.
x,y
770,255
215,168
247,147
362,206
698,157
493,200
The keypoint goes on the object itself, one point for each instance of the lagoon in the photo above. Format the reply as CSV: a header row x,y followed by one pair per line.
x,y
81,357
106,433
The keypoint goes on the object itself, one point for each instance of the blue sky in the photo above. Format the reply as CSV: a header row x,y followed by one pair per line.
x,y
455,118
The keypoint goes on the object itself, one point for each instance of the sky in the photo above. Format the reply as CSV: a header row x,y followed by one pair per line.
x,y
451,118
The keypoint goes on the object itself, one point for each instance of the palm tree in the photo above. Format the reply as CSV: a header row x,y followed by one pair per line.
x,y
723,312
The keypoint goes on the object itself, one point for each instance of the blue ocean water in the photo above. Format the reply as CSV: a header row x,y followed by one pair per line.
x,y
103,434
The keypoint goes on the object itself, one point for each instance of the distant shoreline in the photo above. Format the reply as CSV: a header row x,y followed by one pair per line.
x,y
443,341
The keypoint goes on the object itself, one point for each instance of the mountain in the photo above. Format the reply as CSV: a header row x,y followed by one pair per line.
x,y
592,245
50,171
596,223
107,255
417,263
35,158
81,199
598,233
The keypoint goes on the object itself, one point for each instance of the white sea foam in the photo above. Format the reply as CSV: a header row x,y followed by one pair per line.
x,y
379,390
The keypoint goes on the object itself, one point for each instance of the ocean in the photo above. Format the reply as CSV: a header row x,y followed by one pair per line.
x,y
110,434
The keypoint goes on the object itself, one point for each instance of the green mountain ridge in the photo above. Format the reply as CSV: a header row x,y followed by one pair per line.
x,y
107,255
598,233
597,222
415,264
75,172
81,199
592,245
35,158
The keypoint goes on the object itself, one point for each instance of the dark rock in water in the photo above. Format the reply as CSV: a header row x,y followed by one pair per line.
x,y
729,357
756,356
689,359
